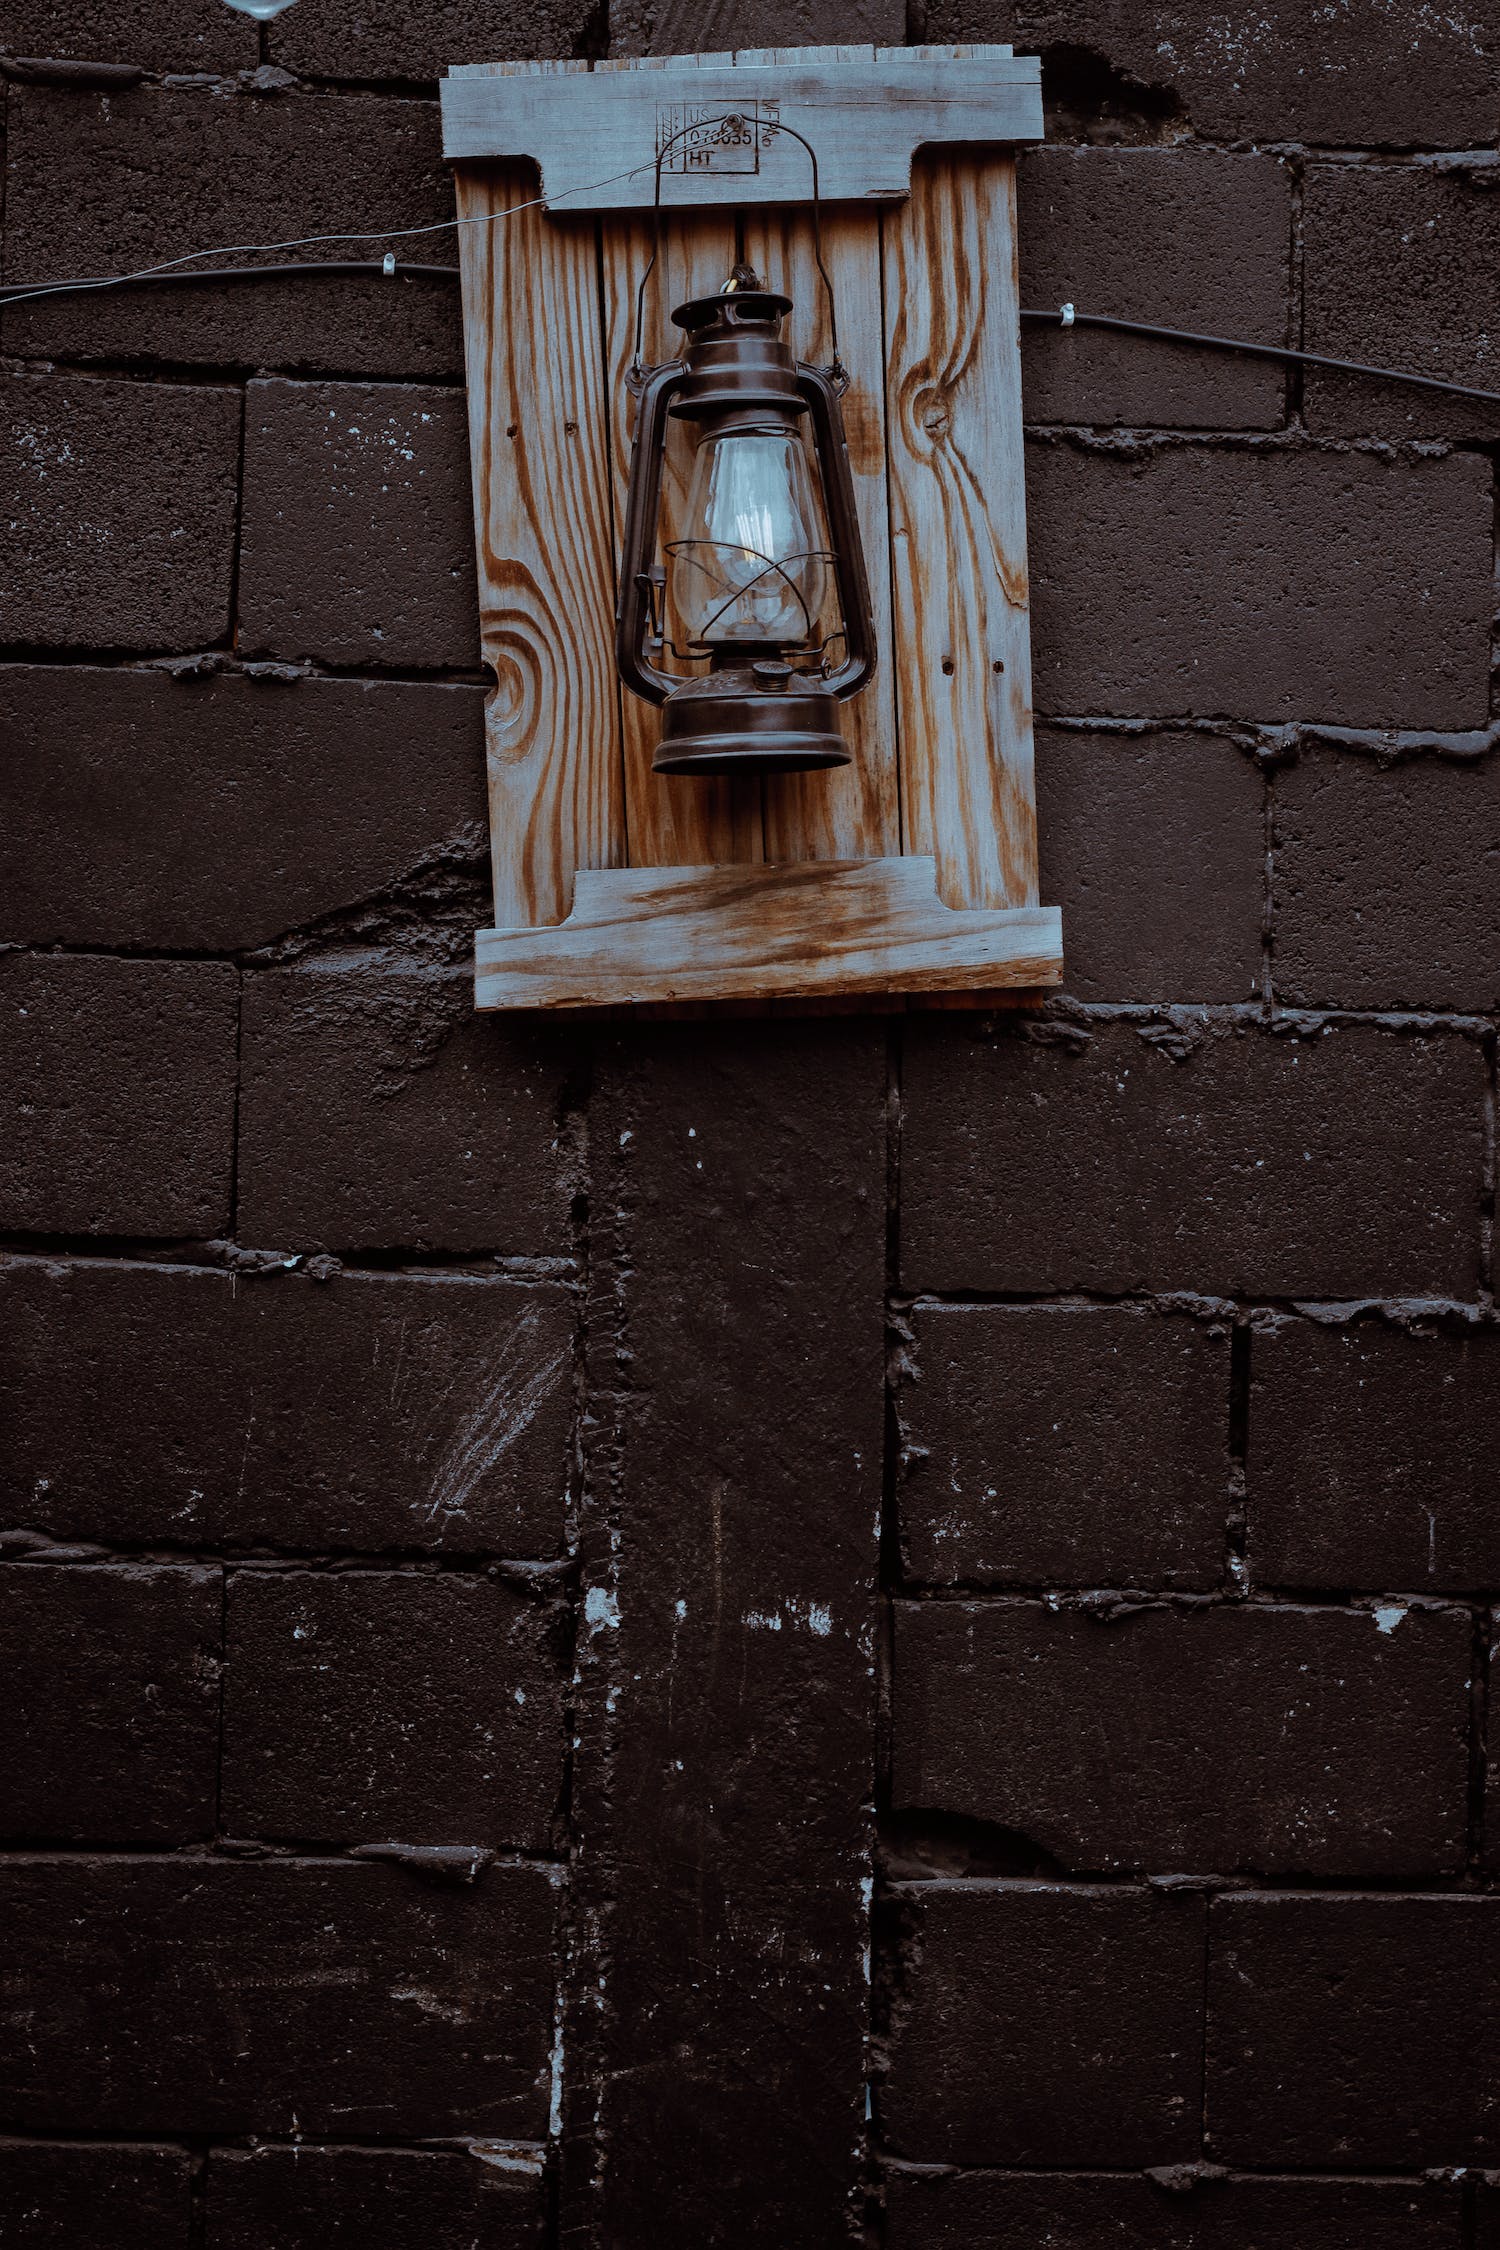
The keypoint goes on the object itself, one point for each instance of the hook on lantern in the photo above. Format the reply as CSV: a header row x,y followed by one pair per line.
x,y
745,580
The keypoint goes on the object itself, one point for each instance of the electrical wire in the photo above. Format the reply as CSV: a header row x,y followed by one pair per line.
x,y
346,268
144,274
1065,316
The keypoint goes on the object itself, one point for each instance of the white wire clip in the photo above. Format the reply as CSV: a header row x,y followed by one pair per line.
x,y
1066,315
388,267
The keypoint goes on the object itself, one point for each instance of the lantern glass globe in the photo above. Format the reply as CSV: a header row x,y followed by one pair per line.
x,y
750,568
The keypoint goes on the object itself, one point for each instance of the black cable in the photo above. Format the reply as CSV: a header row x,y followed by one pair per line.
x,y
364,267
1284,353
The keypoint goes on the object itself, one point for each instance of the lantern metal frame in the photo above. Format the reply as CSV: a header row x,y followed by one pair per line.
x,y
764,712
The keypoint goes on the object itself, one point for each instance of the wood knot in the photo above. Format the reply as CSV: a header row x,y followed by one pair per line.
x,y
934,413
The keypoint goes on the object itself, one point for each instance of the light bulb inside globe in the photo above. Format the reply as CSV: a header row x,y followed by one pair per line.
x,y
749,569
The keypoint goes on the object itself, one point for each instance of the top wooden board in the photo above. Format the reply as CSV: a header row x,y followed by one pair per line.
x,y
595,135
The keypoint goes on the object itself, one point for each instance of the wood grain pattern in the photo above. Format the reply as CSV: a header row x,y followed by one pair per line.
x,y
958,531
724,933
670,820
538,449
587,134
856,810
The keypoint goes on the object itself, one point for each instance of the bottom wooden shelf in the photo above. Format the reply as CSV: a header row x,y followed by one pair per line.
x,y
818,927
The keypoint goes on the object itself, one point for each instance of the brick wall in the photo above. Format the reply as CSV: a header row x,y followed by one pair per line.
x,y
708,1637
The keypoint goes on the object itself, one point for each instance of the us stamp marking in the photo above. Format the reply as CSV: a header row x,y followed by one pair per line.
x,y
705,139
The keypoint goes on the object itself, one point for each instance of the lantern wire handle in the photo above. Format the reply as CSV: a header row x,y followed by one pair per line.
x,y
837,369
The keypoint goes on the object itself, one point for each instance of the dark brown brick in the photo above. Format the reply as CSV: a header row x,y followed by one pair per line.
x,y
1492,1776
347,2198
1400,270
119,499
1121,2211
1065,1445
94,2197
378,1110
1180,237
384,39
119,1079
357,544
1252,1165
156,34
1352,2031
387,1705
219,814
1387,882
110,183
1296,1741
1487,2216
1399,77
109,1703
1266,585
1042,2025
729,1554
674,27
166,1406
1371,1458
1175,819
276,1997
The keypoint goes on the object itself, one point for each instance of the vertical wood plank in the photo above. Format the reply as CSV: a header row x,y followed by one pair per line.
x,y
958,530
539,450
855,812
671,820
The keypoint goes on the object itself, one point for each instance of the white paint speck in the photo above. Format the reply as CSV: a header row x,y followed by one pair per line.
x,y
600,1608
1389,1617
555,2112
509,2156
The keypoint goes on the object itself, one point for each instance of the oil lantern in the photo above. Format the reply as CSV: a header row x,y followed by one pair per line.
x,y
761,575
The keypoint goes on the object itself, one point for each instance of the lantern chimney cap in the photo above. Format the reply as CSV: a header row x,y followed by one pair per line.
x,y
743,302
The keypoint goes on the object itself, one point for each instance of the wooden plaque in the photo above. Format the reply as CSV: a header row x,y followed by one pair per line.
x,y
913,870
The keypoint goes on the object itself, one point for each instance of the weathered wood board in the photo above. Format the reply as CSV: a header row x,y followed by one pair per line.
x,y
596,138
538,438
741,933
929,330
962,658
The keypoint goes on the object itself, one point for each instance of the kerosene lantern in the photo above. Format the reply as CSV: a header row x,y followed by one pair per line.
x,y
744,579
